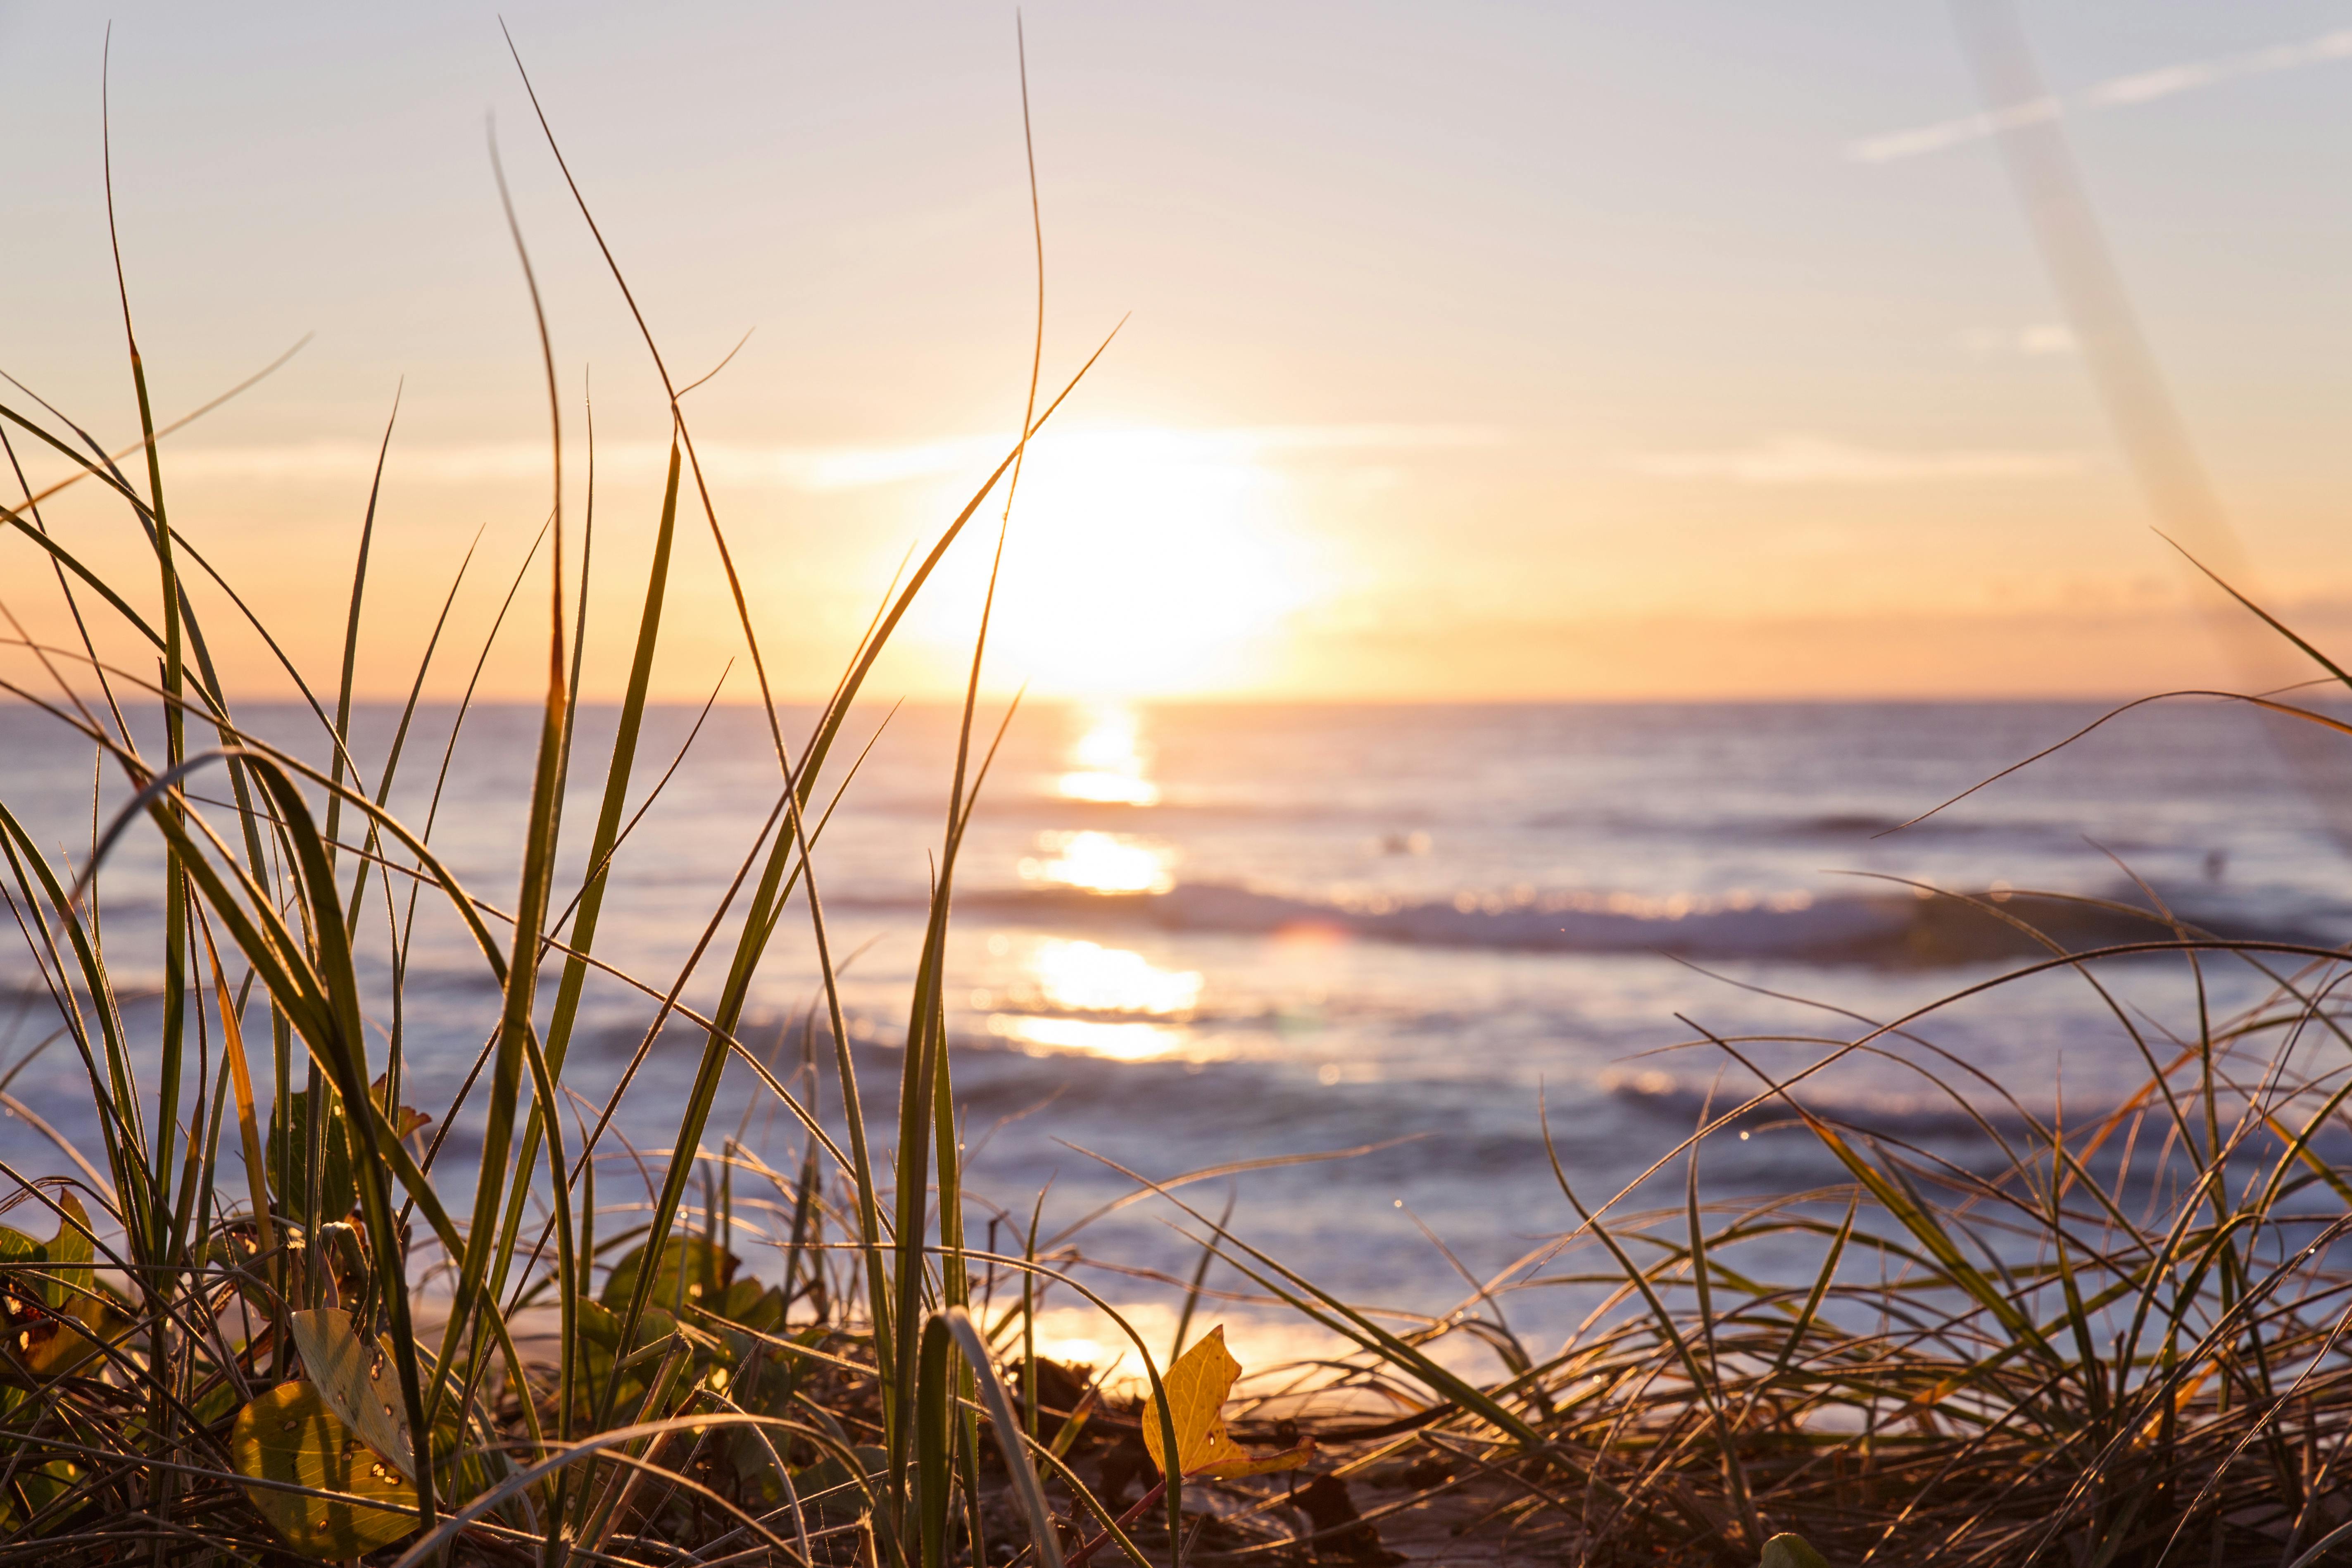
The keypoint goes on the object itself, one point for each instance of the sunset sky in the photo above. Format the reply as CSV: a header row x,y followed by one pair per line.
x,y
1539,350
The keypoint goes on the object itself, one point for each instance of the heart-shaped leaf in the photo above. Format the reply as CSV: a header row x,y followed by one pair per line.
x,y
750,1304
690,1272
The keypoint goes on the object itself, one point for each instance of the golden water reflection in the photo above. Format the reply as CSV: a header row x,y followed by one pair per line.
x,y
1110,764
1126,1041
1082,977
1101,1000
1097,862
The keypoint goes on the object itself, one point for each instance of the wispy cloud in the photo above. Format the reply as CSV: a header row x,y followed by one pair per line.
x,y
808,469
2116,92
2037,340
792,468
1813,460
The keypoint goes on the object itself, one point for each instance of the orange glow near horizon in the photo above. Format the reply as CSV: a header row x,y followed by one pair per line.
x,y
1634,358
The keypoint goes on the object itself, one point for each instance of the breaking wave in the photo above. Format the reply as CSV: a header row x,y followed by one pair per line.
x,y
1880,929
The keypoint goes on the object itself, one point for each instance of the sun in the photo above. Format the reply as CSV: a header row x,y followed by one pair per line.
x,y
1147,563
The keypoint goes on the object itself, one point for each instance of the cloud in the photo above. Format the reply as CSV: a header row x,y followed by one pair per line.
x,y
2035,341
802,469
1357,438
1813,460
805,468
1893,144
2116,92
2045,338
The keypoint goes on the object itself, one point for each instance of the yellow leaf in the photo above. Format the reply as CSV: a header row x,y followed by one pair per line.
x,y
289,1434
1265,1464
1197,1386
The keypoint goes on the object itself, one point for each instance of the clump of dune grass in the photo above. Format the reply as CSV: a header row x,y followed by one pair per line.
x,y
262,1208
2115,1341
250,1328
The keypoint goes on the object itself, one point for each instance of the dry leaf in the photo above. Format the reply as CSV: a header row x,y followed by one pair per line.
x,y
1197,1386
1263,1463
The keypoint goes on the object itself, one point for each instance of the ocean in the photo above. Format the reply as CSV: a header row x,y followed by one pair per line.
x,y
1402,941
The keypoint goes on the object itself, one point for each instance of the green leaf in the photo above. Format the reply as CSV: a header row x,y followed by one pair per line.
x,y
63,1260
36,1487
53,1314
289,1136
749,1304
600,1340
340,1254
1789,1550
71,1253
289,1434
692,1270
357,1383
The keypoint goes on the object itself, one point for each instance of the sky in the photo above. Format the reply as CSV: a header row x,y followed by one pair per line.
x,y
1691,349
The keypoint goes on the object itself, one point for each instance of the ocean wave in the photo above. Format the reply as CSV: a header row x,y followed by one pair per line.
x,y
1683,1101
1842,827
1875,928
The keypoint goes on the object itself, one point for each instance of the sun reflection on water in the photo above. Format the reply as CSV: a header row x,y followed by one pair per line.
x,y
1103,1002
1082,977
1108,761
1124,1041
1099,862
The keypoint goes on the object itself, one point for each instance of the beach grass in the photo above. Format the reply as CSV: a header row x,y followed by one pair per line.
x,y
255,1323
